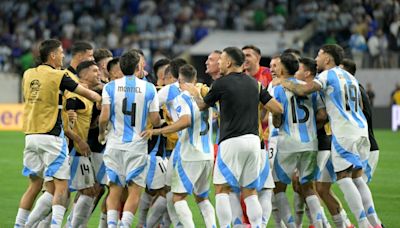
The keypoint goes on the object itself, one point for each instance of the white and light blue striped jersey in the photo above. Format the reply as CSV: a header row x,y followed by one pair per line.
x,y
273,131
195,141
130,99
342,96
167,95
298,131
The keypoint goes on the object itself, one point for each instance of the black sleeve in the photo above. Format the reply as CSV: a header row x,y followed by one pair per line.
x,y
68,84
214,94
74,104
265,97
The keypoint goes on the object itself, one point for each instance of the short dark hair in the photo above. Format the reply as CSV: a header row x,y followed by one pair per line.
x,y
292,51
160,63
80,46
102,53
290,62
236,55
188,72
84,65
217,51
175,64
167,70
335,51
112,63
310,64
252,47
46,47
129,61
349,65
139,51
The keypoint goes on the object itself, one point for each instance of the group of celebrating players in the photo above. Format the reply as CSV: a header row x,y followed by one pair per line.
x,y
101,127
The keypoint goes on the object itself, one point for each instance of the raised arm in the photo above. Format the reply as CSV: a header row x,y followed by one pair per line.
x,y
192,89
300,89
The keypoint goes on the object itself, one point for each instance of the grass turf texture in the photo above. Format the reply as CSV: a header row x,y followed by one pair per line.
x,y
385,185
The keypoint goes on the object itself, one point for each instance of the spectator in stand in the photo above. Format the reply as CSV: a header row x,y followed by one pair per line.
x,y
358,47
370,93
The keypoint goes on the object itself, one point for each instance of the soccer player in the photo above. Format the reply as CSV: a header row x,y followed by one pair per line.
x,y
45,153
350,142
128,103
369,165
297,144
114,69
252,65
82,171
159,71
102,56
81,51
238,159
193,155
212,67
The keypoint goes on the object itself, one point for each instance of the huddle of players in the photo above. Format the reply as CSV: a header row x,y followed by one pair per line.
x,y
129,103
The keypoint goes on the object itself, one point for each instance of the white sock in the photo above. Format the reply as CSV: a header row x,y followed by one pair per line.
x,y
21,218
41,210
223,209
298,209
172,212
315,209
367,200
112,218
236,208
338,221
345,218
45,222
254,210
308,213
166,221
156,211
144,205
208,213
70,216
81,210
275,213
265,197
284,209
103,220
184,213
57,217
127,219
325,221
354,201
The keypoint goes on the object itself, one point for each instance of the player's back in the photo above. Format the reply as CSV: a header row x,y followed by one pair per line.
x,y
167,95
195,141
342,95
298,131
131,100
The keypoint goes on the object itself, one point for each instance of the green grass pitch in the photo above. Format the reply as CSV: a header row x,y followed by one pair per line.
x,y
385,185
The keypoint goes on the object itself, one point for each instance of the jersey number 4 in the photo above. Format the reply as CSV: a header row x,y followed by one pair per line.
x,y
296,104
130,112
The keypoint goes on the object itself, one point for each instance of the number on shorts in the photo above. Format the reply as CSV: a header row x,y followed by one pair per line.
x,y
271,153
85,168
130,112
205,117
162,167
296,104
350,95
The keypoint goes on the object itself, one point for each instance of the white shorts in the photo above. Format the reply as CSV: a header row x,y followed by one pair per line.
x,y
192,177
46,156
238,162
170,169
370,165
266,179
324,172
156,172
286,164
82,173
349,152
123,166
99,168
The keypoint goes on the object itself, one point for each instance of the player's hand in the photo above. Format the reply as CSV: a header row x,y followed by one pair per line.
x,y
276,81
72,117
98,105
192,89
147,134
84,148
102,138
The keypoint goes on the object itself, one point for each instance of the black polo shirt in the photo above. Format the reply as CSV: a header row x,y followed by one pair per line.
x,y
367,110
238,95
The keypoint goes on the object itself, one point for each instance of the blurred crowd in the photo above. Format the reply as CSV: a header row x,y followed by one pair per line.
x,y
368,29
